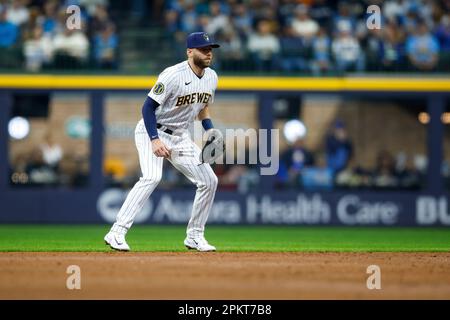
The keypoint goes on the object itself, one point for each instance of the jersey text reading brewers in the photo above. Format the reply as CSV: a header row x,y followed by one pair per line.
x,y
181,94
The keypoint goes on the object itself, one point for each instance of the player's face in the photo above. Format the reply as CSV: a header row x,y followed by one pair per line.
x,y
202,56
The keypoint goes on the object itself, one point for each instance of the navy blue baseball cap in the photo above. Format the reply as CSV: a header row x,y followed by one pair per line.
x,y
199,40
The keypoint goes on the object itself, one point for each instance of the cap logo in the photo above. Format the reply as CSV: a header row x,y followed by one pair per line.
x,y
206,37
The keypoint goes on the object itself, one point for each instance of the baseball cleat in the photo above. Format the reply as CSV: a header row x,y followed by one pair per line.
x,y
199,244
116,241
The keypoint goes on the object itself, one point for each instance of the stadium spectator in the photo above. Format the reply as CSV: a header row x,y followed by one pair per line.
x,y
409,175
321,50
34,20
105,48
292,162
218,20
294,53
385,175
422,49
202,23
303,26
37,50
188,20
264,47
18,13
98,21
442,34
232,53
391,50
353,176
384,50
410,20
71,49
339,147
171,21
49,20
8,31
242,19
344,21
318,177
347,52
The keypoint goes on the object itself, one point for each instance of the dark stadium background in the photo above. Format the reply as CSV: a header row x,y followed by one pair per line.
x,y
387,89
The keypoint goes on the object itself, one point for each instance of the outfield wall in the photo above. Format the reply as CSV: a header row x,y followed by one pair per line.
x,y
336,208
94,204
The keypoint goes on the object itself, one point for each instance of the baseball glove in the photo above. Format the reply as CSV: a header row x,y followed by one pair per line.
x,y
214,147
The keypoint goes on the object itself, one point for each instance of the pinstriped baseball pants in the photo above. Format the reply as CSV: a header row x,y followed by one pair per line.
x,y
201,175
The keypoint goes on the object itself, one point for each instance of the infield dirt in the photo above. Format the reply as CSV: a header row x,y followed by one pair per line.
x,y
194,275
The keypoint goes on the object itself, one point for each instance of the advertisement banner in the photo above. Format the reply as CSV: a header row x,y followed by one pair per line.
x,y
288,208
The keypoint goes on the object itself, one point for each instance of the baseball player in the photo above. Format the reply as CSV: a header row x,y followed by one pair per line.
x,y
182,93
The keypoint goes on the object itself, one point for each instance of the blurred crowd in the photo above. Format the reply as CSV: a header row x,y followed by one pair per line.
x,y
318,36
44,34
333,167
48,165
336,168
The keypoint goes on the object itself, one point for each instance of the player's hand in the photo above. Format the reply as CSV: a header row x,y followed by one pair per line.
x,y
160,149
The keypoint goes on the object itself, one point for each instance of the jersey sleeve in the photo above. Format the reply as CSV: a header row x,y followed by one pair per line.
x,y
163,88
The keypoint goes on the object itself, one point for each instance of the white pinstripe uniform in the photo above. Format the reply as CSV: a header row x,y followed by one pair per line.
x,y
181,95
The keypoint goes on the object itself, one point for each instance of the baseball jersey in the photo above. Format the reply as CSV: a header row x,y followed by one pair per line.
x,y
182,94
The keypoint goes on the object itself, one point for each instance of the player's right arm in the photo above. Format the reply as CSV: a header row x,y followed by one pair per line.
x,y
159,94
148,113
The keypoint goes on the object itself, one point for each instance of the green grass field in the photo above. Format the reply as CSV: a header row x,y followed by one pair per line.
x,y
228,238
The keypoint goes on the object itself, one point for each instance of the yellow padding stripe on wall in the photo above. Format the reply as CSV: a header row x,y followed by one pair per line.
x,y
230,83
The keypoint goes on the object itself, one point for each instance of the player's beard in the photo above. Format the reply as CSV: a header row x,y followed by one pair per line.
x,y
199,62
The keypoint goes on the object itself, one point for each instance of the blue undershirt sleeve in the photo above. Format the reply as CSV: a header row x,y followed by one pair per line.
x,y
207,124
148,114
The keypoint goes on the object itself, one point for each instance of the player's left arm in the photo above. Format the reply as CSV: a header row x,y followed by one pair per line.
x,y
205,117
